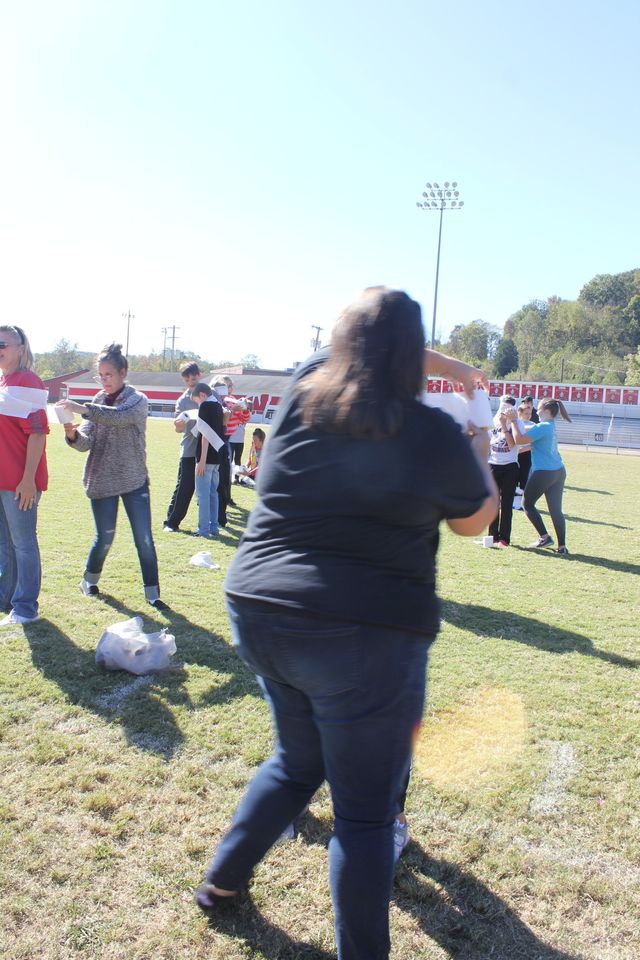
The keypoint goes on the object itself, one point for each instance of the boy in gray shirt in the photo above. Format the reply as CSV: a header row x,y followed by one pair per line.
x,y
185,485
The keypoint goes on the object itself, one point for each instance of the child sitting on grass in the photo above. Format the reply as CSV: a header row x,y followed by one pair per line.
x,y
248,472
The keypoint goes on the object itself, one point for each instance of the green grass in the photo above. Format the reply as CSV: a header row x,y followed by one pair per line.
x,y
524,805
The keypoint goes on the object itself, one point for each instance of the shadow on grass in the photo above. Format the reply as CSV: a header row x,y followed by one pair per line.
x,y
243,921
463,915
596,523
486,622
604,493
454,909
620,566
142,706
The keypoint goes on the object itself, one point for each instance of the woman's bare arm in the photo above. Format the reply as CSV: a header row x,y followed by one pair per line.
x,y
457,371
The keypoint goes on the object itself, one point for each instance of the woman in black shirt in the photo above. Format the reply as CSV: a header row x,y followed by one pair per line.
x,y
332,598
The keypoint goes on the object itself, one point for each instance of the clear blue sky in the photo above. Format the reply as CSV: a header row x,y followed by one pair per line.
x,y
242,170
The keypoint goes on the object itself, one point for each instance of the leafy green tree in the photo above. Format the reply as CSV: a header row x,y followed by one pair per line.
x,y
569,322
528,332
506,357
611,290
474,342
631,315
632,378
151,362
250,361
64,358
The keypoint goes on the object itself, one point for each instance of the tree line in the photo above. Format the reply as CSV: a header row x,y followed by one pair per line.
x,y
67,358
593,339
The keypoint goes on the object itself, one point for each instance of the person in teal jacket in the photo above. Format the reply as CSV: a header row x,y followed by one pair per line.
x,y
547,474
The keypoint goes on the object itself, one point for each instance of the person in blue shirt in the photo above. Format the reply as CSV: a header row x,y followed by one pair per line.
x,y
547,471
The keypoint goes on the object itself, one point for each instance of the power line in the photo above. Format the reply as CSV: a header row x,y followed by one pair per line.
x,y
593,366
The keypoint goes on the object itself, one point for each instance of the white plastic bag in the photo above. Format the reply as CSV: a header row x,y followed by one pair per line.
x,y
124,646
204,559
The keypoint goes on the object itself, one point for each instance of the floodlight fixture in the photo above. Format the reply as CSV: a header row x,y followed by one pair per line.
x,y
442,200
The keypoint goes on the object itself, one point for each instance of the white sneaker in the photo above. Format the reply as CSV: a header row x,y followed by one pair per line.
x,y
400,838
14,619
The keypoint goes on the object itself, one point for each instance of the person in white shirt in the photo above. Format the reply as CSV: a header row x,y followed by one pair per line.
x,y
503,460
525,416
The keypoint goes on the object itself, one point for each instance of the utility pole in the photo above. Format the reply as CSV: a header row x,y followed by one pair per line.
x,y
173,343
164,346
315,343
128,316
439,198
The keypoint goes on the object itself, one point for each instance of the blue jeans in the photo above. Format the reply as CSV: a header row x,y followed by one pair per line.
x,y
105,513
346,701
20,573
207,494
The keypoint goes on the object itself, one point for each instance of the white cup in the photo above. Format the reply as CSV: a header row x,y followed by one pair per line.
x,y
62,415
487,541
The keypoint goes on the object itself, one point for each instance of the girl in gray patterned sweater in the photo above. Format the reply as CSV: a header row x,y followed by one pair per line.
x,y
113,432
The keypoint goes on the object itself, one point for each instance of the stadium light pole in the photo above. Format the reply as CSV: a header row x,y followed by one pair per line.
x,y
439,198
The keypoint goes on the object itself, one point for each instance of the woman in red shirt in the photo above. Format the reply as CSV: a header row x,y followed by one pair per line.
x,y
23,476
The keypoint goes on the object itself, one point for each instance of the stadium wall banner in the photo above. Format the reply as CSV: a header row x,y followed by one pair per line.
x,y
265,405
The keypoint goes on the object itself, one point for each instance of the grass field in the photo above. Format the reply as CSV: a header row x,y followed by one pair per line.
x,y
525,800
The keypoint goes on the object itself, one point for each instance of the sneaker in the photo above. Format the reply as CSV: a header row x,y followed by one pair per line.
x,y
289,833
400,838
89,589
541,542
159,604
14,619
167,529
563,551
501,543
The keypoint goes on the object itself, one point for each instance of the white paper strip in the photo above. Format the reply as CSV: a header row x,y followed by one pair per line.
x,y
208,432
22,401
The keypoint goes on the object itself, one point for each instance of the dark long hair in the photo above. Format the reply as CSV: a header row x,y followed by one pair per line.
x,y
376,367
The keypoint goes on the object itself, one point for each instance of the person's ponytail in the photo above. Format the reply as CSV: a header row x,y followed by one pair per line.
x,y
554,407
